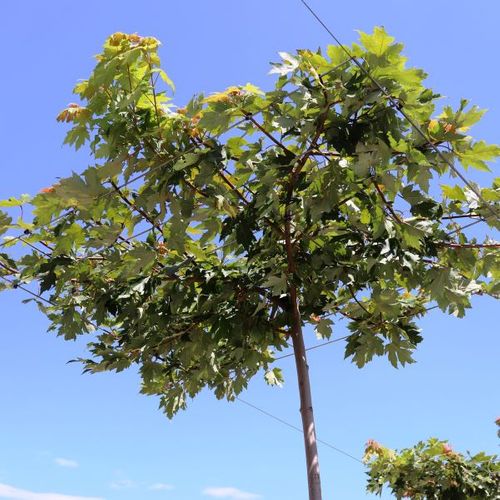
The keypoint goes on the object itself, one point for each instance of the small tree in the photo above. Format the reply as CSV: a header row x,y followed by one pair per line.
x,y
205,237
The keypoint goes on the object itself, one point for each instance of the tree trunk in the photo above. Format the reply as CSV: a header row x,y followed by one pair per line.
x,y
306,408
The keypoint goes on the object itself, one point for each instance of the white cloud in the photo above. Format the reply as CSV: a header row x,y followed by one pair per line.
x,y
12,493
122,484
230,493
66,462
161,487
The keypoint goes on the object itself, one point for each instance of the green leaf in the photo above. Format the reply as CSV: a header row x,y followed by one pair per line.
x,y
110,169
378,42
412,236
469,118
278,284
215,121
323,328
186,161
165,78
454,193
47,272
478,154
274,377
5,222
337,55
365,217
15,202
77,136
75,190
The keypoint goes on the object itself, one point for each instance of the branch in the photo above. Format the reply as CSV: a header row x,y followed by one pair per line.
x,y
233,188
195,189
26,242
133,206
469,245
463,216
7,268
387,203
353,295
267,134
244,185
154,92
320,129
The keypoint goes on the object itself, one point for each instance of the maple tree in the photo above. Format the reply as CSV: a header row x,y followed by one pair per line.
x,y
205,237
432,471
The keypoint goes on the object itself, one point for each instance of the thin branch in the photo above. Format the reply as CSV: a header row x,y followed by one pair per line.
x,y
26,242
244,185
353,295
249,117
463,216
233,187
387,203
133,206
469,245
7,268
154,92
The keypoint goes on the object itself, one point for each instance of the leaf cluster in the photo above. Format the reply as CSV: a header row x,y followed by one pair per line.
x,y
178,249
432,470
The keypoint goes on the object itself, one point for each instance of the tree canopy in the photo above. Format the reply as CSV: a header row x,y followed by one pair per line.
x,y
180,247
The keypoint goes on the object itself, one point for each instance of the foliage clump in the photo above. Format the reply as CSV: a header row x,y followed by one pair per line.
x,y
188,244
431,470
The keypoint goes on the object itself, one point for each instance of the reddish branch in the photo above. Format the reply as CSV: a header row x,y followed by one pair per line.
x,y
244,186
133,206
387,203
267,134
233,188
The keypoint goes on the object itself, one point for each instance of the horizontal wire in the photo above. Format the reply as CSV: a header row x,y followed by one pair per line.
x,y
461,228
314,347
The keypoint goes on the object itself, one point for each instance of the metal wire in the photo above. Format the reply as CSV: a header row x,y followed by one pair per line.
x,y
314,347
298,429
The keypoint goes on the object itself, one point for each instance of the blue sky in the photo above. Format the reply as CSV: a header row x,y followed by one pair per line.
x,y
64,436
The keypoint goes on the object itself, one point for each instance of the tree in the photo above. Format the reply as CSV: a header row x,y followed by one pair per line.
x,y
432,470
205,237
